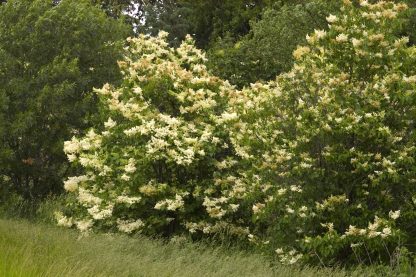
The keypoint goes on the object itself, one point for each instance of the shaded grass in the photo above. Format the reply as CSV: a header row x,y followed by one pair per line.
x,y
28,249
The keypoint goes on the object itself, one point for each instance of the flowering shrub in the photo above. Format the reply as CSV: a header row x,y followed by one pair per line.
x,y
332,143
148,169
317,166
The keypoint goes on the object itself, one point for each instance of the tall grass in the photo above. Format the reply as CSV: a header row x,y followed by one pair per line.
x,y
28,249
14,206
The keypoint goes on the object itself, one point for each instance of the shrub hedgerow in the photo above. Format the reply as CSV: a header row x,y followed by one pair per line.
x,y
317,166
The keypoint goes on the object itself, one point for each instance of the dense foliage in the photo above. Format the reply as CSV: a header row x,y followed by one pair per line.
x,y
274,37
51,57
316,166
205,20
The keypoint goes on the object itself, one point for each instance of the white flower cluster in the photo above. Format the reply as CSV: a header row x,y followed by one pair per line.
x,y
87,198
214,206
332,202
394,215
288,257
130,200
84,225
130,167
218,227
63,220
170,204
100,214
378,228
71,185
129,226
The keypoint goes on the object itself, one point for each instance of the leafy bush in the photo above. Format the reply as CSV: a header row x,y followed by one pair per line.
x,y
332,143
152,164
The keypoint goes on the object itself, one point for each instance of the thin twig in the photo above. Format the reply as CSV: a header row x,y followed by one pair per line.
x,y
320,260
388,252
368,254
356,256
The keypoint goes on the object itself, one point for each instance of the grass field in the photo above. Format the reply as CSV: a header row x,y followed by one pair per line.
x,y
28,249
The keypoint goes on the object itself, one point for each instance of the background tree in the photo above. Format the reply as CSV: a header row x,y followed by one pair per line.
x,y
52,57
170,16
205,20
212,19
267,49
410,26
132,11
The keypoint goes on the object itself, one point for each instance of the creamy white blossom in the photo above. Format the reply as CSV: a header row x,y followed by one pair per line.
x,y
394,215
129,226
332,18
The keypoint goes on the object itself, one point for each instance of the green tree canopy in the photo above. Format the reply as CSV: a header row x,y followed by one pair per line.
x,y
52,56
266,50
204,20
131,10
